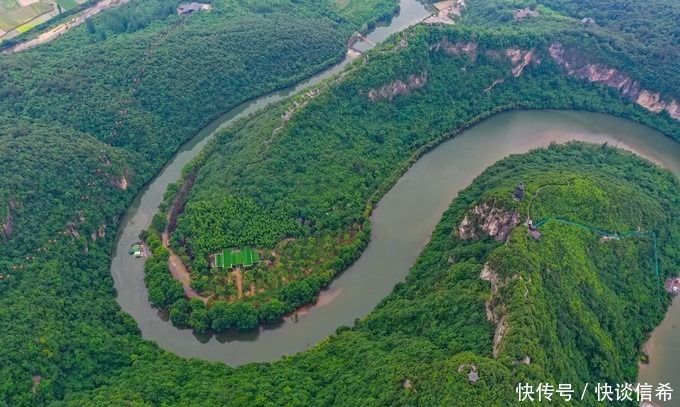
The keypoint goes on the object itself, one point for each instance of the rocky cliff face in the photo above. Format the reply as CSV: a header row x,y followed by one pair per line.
x,y
123,181
488,220
578,66
521,58
8,223
574,62
457,49
495,308
8,226
119,182
398,87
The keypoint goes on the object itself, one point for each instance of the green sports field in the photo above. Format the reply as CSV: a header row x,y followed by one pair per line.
x,y
230,258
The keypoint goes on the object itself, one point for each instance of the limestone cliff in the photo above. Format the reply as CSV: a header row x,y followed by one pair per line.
x,y
398,87
486,219
457,49
521,58
576,64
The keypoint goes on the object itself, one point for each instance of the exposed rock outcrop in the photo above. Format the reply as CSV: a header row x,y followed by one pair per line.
x,y
8,226
578,65
398,87
121,182
71,227
494,313
521,58
493,85
457,49
526,360
37,379
101,232
8,223
488,220
492,277
524,13
465,366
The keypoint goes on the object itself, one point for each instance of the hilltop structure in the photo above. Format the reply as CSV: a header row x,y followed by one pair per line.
x,y
192,8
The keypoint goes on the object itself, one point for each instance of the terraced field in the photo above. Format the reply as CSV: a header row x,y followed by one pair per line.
x,y
19,16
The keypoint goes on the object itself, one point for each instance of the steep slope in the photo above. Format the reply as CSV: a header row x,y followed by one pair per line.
x,y
63,334
574,308
368,125
89,118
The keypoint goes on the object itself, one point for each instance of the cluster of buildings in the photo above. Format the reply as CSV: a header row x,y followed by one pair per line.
x,y
673,285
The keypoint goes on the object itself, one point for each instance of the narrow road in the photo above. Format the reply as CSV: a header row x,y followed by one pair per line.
x,y
179,270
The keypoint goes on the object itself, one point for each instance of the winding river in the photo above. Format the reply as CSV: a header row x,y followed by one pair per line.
x,y
438,176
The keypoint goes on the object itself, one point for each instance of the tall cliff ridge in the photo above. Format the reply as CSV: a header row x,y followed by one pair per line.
x,y
577,65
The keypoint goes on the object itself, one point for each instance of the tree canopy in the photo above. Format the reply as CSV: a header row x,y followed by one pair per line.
x,y
88,119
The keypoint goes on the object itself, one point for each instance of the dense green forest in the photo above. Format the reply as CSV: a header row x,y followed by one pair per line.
x,y
272,163
86,120
90,117
576,307
640,37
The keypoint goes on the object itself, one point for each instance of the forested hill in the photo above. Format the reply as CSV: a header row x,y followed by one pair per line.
x,y
85,121
137,82
640,37
572,307
263,182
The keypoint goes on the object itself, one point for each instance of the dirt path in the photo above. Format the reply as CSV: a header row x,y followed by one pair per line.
x,y
62,28
239,282
177,267
179,270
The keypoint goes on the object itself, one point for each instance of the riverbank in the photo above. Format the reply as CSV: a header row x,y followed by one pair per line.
x,y
129,277
438,174
177,267
661,349
317,323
